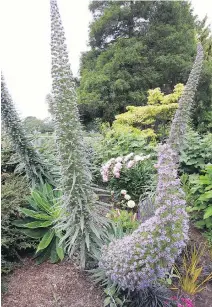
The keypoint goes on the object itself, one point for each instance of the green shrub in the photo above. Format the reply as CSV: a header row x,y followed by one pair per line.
x,y
13,197
125,218
196,153
40,220
152,120
136,180
201,188
42,143
121,140
6,153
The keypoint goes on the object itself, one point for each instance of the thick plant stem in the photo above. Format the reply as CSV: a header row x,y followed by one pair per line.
x,y
36,170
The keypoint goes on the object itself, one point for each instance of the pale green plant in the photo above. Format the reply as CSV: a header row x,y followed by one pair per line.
x,y
80,217
36,170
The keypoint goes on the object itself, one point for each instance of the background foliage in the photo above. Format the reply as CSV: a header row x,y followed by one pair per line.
x,y
135,46
13,197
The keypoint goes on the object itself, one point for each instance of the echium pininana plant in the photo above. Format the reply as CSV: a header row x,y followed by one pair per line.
x,y
136,261
36,170
79,219
182,115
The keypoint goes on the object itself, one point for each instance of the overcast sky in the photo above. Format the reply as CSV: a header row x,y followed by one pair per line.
x,y
25,46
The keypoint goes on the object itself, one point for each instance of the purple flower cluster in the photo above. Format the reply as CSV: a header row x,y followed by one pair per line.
x,y
136,261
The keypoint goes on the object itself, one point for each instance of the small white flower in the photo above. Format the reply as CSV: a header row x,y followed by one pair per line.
x,y
112,192
128,157
127,197
137,158
119,159
131,204
123,192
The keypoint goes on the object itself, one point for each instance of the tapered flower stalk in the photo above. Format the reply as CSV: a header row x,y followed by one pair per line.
x,y
182,115
36,170
79,218
140,259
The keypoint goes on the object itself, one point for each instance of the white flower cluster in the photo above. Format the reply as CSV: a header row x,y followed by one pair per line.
x,y
130,203
113,166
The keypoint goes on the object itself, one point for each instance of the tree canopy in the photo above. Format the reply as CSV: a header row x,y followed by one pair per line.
x,y
135,46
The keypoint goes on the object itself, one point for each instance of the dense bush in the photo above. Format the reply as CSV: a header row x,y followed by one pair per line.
x,y
201,190
113,143
121,140
13,197
34,125
134,173
126,219
196,153
153,119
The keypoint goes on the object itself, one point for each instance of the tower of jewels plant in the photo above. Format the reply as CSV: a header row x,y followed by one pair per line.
x,y
137,260
36,170
80,220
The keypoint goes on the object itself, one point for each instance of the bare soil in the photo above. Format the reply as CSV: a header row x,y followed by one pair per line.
x,y
51,285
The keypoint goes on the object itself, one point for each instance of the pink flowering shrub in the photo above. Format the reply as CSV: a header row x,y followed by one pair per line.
x,y
135,173
114,166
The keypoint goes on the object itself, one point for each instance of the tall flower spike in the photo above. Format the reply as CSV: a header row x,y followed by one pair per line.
x,y
36,170
80,220
136,261
181,118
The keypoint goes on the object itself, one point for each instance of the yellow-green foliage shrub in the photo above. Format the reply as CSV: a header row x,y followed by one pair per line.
x,y
154,118
120,140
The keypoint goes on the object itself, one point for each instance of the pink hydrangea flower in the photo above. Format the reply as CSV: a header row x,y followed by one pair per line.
x,y
130,163
118,159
